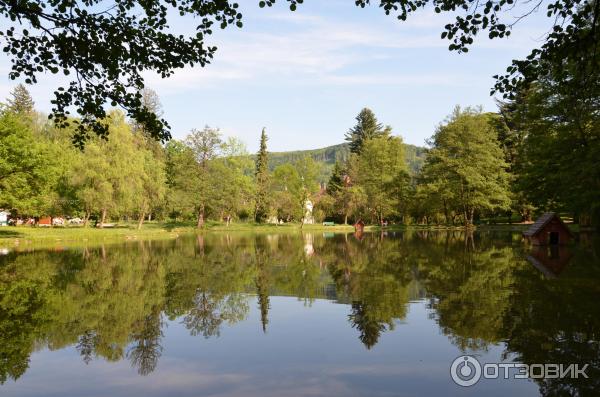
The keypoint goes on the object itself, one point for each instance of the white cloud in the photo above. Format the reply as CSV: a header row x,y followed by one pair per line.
x,y
320,51
325,50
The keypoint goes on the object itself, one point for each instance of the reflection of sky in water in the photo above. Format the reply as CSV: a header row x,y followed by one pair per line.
x,y
307,351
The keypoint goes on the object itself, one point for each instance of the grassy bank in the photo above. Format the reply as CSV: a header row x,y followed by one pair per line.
x,y
30,237
25,236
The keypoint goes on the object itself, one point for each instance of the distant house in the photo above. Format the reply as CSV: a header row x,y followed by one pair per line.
x,y
549,229
4,218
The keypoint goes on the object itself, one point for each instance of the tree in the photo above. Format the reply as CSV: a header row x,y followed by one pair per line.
x,y
336,180
92,179
511,141
286,185
367,127
352,202
87,39
205,146
292,186
233,180
27,169
261,211
182,179
349,199
151,102
381,171
558,124
150,181
21,101
466,165
109,175
208,177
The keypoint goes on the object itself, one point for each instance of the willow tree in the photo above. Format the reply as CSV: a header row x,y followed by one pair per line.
x,y
110,176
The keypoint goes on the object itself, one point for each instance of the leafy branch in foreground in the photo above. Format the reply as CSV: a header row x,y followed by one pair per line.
x,y
573,32
108,48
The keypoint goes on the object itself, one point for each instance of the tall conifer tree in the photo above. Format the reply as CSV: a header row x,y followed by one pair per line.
x,y
21,101
262,180
367,127
336,181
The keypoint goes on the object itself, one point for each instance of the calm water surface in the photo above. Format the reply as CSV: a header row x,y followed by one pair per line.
x,y
296,315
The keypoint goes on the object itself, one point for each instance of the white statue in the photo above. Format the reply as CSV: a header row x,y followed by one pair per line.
x,y
308,212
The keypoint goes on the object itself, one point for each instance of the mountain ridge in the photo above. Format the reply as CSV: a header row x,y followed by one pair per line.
x,y
327,156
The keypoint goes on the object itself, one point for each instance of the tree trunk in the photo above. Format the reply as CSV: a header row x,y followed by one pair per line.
x,y
446,216
86,218
345,219
469,217
200,223
102,218
141,221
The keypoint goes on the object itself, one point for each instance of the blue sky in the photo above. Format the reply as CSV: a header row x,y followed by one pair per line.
x,y
305,75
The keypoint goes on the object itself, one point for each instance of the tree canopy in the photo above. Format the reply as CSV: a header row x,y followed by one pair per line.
x,y
465,169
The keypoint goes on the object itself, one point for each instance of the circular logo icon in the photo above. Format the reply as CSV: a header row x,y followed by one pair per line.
x,y
465,371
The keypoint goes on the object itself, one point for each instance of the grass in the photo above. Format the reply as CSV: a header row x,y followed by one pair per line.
x,y
26,237
35,237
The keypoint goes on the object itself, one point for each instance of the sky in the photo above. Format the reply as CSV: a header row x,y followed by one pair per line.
x,y
305,75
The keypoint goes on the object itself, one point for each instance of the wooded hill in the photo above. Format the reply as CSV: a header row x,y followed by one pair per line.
x,y
327,156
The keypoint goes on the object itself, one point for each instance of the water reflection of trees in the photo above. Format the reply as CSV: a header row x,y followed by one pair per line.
x,y
487,293
374,276
113,302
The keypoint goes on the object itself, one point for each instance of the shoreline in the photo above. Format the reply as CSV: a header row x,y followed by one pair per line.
x,y
25,237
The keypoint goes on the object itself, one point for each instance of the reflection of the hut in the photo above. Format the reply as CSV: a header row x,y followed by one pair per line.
x,y
551,260
359,235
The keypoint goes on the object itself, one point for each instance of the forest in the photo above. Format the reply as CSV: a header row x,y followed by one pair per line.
x,y
538,152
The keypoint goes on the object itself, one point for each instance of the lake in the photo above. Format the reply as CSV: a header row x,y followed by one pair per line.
x,y
318,314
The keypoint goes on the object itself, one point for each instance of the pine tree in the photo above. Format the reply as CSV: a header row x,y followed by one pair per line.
x,y
367,127
336,181
21,102
262,180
